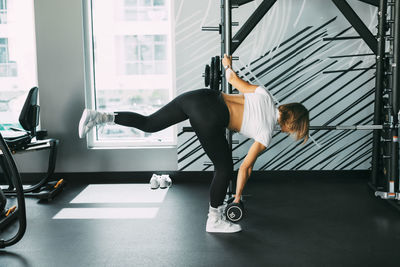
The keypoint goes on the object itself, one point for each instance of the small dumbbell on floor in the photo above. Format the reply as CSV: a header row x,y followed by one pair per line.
x,y
234,212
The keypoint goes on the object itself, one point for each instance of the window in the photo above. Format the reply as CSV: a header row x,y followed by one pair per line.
x,y
17,58
143,54
3,11
3,50
8,68
129,66
145,10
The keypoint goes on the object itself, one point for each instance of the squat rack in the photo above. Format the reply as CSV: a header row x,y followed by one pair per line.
x,y
385,166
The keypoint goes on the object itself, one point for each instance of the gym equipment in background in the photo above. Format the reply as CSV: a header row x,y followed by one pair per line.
x,y
8,216
25,140
385,178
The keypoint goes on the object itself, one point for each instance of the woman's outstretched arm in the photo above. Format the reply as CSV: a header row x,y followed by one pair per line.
x,y
231,76
246,168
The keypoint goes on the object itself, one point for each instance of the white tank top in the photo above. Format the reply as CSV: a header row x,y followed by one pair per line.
x,y
259,116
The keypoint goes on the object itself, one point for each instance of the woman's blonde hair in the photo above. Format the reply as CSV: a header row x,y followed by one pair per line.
x,y
295,119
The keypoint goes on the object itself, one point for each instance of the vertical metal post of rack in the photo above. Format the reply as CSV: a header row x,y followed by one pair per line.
x,y
379,84
395,96
226,37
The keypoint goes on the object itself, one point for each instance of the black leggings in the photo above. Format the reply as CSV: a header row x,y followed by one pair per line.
x,y
209,116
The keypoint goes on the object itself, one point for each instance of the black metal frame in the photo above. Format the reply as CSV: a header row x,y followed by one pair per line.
x,y
385,165
357,23
239,3
371,2
16,180
371,127
385,151
396,94
226,48
29,119
379,86
251,22
44,189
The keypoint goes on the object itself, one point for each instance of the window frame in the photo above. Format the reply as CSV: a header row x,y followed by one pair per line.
x,y
90,89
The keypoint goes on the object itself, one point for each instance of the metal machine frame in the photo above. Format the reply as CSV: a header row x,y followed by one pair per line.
x,y
20,212
385,152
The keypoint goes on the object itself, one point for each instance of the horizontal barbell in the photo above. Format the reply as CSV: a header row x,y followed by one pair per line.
x,y
347,127
337,127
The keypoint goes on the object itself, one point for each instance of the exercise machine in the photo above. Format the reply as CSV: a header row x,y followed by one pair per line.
x,y
28,139
385,154
9,215
385,46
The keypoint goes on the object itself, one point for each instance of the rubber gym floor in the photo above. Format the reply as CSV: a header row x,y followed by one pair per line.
x,y
329,220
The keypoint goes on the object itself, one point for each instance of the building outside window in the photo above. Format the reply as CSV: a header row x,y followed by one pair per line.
x,y
145,10
18,71
3,11
129,66
144,54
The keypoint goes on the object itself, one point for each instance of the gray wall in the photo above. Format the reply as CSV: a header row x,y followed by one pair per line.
x,y
61,82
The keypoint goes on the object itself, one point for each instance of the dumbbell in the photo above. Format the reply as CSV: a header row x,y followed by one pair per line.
x,y
234,212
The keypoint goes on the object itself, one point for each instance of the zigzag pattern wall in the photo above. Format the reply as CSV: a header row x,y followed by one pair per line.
x,y
295,54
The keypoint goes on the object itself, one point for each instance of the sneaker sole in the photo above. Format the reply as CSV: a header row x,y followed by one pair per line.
x,y
166,185
219,232
154,186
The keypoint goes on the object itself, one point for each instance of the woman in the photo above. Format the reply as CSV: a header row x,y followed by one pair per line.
x,y
210,112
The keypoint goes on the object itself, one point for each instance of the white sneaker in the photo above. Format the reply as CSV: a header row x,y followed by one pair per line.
x,y
165,181
217,223
91,118
155,181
